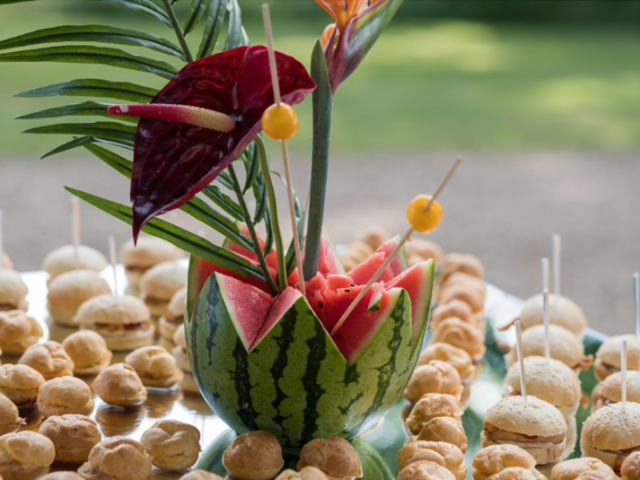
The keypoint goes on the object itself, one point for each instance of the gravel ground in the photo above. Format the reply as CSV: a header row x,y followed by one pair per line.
x,y
503,208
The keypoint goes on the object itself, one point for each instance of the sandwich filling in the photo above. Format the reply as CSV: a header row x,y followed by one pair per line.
x,y
154,301
499,435
114,329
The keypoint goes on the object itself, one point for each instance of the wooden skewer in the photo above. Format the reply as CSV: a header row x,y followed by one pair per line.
x,y
545,273
556,263
545,319
112,258
636,303
1,244
395,251
623,370
519,349
75,227
285,152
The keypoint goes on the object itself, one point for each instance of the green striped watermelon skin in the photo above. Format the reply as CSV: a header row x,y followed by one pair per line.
x,y
373,465
295,383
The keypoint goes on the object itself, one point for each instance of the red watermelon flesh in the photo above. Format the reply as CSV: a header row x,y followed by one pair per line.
x,y
249,307
367,269
399,262
279,307
339,281
415,281
271,258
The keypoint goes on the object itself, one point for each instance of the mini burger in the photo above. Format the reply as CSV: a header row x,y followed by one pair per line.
x,y
12,291
560,310
160,283
174,316
611,433
610,391
563,346
124,322
149,251
532,424
551,381
608,355
71,289
188,383
577,467
63,260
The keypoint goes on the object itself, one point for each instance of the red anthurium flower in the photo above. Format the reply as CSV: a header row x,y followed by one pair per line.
x,y
200,122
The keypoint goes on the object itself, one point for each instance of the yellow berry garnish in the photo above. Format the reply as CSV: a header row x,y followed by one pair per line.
x,y
280,122
424,220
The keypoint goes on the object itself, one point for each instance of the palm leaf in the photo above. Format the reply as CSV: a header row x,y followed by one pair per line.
x,y
94,87
195,12
180,237
117,132
235,34
143,6
76,142
216,15
88,108
223,201
94,33
93,55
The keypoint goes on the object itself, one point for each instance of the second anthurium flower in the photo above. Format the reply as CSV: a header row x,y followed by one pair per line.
x,y
200,122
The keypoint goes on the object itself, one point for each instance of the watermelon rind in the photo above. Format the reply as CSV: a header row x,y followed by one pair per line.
x,y
295,382
373,465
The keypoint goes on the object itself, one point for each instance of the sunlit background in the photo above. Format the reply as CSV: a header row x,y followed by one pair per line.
x,y
541,98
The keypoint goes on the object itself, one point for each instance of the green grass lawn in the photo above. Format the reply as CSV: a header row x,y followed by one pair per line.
x,y
433,86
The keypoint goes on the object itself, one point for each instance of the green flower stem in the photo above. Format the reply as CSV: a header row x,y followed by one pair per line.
x,y
273,211
178,30
252,230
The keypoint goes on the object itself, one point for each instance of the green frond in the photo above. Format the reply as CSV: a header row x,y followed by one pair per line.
x,y
93,87
113,131
216,15
89,108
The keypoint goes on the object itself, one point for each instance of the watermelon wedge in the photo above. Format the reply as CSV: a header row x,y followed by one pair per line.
x,y
366,270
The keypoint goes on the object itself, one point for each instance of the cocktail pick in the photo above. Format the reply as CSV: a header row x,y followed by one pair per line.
x,y
280,122
112,258
545,273
556,263
623,370
545,319
636,303
395,251
519,349
75,229
1,237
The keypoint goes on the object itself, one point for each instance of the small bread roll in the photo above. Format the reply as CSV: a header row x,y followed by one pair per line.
x,y
25,455
461,335
119,384
335,456
160,283
70,290
147,252
20,383
18,331
430,406
573,469
518,473
13,291
200,475
63,259
474,297
62,476
49,358
457,262
172,445
435,377
73,436
89,352
64,395
10,419
454,356
454,308
444,429
254,456
444,454
495,458
307,473
425,470
631,467
117,458
155,366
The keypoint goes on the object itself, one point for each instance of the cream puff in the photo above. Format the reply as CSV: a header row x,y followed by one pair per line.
x,y
148,252
462,335
160,283
254,456
444,429
64,395
10,420
155,366
117,458
200,475
63,259
72,435
435,377
444,454
62,476
25,455
495,458
334,456
71,289
119,384
18,331
172,445
123,321
430,406
48,358
20,383
457,262
13,291
425,470
577,467
307,473
89,352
